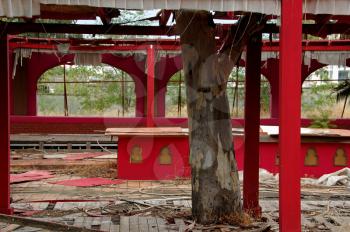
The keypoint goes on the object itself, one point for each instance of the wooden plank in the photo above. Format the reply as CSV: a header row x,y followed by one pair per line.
x,y
152,224
105,223
319,132
143,224
116,228
124,224
88,222
29,229
96,223
180,223
178,203
39,223
10,228
149,131
134,224
78,221
161,224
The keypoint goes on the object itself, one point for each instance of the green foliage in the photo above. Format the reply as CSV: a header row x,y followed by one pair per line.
x,y
342,90
322,121
175,95
233,93
318,100
265,92
99,90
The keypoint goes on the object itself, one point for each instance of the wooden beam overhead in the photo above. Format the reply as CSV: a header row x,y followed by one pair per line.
x,y
115,29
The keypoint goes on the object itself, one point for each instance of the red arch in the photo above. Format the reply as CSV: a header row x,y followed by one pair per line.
x,y
41,62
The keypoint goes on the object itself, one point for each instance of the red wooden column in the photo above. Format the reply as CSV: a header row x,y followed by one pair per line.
x,y
289,117
4,128
273,71
160,108
251,127
150,86
31,96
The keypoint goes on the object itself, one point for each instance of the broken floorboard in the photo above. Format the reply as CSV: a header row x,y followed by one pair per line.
x,y
125,224
317,216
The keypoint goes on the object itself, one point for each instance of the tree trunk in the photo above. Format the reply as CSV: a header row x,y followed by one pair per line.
x,y
216,192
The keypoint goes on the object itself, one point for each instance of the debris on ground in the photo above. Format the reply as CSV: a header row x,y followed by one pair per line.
x,y
340,177
105,169
88,182
157,205
81,156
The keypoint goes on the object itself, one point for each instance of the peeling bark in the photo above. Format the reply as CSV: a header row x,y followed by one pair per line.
x,y
215,183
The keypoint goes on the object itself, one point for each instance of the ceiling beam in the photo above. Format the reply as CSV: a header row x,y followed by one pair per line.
x,y
17,28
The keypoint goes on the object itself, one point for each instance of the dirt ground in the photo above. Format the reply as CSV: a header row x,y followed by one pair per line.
x,y
146,205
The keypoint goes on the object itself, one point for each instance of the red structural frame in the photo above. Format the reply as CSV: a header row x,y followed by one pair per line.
x,y
252,134
164,68
286,75
150,85
290,111
4,128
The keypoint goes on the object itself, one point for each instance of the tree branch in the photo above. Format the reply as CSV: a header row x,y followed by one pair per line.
x,y
235,41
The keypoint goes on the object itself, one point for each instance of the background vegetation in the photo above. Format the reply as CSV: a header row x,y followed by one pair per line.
x,y
106,91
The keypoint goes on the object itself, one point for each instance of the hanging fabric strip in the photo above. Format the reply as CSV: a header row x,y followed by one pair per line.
x,y
93,59
19,55
325,57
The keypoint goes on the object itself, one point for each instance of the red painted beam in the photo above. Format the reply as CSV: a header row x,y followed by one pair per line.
x,y
290,111
251,129
150,85
4,128
160,42
173,45
70,125
78,125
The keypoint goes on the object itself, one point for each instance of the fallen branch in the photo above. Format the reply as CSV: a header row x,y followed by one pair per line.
x,y
132,213
41,224
165,194
137,203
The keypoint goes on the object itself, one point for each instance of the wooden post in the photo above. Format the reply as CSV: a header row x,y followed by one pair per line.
x,y
150,86
290,107
251,127
273,69
31,96
4,128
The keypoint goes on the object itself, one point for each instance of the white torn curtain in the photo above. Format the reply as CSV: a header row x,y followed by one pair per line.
x,y
19,55
264,55
80,58
28,8
325,57
93,59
